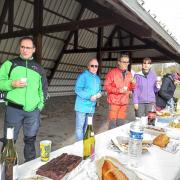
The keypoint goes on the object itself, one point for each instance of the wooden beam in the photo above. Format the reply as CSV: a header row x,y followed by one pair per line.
x,y
109,49
120,38
9,53
3,14
38,16
70,26
75,25
110,38
75,39
38,44
99,46
139,59
109,42
10,15
19,33
37,23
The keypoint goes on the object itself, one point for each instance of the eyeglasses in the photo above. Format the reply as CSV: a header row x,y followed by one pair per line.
x,y
24,47
94,66
124,62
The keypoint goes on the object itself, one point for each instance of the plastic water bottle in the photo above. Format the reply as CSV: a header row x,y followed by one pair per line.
x,y
135,143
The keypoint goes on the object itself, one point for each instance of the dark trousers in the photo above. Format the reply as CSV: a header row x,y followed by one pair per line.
x,y
143,109
29,121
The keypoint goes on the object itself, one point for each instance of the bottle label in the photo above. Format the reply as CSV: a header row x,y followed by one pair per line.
x,y
136,134
89,147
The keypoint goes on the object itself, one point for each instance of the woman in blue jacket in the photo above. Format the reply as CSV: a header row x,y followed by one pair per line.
x,y
87,89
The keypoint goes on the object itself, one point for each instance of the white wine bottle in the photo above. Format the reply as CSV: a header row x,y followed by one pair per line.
x,y
9,157
89,141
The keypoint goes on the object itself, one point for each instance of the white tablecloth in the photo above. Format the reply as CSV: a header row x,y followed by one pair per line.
x,y
156,164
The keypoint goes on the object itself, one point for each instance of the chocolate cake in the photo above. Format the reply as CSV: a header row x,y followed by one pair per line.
x,y
57,168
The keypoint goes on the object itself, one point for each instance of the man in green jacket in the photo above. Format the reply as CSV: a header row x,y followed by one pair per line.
x,y
25,83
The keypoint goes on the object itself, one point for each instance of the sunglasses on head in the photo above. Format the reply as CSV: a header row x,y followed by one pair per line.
x,y
94,66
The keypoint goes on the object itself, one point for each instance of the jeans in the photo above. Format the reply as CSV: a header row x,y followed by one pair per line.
x,y
81,124
30,122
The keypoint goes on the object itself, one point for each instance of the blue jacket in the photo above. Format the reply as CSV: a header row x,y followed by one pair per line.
x,y
145,88
87,85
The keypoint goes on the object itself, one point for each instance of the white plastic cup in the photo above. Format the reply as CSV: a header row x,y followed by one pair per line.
x,y
24,80
158,78
158,82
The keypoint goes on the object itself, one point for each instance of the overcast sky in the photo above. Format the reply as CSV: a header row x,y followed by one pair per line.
x,y
168,12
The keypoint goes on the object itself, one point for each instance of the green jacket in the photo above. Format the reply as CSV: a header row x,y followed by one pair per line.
x,y
31,96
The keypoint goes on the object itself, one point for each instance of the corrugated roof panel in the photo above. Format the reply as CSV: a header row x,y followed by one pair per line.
x,y
64,11
48,64
137,42
107,30
51,48
23,14
2,5
88,15
88,39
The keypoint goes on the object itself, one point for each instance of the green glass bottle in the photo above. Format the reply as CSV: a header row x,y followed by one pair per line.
x,y
89,141
9,157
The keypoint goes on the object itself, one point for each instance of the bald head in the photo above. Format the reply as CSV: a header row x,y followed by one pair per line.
x,y
93,65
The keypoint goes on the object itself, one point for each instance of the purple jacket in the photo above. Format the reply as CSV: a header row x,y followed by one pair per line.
x,y
145,88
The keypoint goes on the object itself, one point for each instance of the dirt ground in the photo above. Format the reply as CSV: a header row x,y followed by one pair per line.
x,y
58,122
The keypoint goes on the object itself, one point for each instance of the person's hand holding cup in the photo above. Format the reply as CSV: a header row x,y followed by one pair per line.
x,y
158,82
98,95
20,83
123,90
24,80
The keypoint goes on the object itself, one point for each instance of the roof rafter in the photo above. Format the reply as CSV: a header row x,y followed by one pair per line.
x,y
10,15
109,49
70,26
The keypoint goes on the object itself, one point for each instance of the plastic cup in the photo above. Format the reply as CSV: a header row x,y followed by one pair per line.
x,y
125,88
45,149
24,80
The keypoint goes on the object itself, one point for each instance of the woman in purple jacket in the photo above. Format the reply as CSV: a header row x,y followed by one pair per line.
x,y
144,92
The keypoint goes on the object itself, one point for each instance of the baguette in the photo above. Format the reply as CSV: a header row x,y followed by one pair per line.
x,y
111,172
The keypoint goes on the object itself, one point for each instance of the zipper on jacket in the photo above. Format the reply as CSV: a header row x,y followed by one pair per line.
x,y
27,81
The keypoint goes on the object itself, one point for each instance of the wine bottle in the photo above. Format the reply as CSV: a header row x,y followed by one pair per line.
x,y
9,157
89,141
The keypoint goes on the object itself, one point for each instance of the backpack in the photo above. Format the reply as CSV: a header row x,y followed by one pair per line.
x,y
3,93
